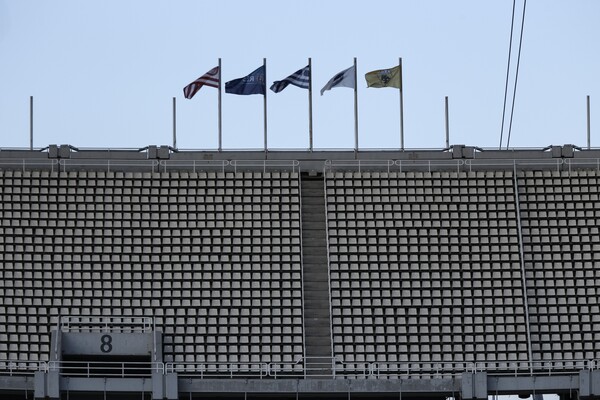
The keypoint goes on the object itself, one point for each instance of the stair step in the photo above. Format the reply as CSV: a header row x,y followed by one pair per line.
x,y
315,284
312,289
315,274
309,251
316,280
321,326
313,200
318,351
312,259
313,241
314,220
318,341
316,224
318,299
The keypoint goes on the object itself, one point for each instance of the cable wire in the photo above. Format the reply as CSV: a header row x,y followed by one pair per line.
x,y
512,24
516,75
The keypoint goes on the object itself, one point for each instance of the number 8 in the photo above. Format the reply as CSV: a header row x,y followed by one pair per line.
x,y
106,346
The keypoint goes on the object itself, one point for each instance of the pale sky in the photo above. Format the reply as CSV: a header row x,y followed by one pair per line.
x,y
103,73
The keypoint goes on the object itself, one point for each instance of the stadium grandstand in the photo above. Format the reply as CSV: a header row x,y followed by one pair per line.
x,y
160,273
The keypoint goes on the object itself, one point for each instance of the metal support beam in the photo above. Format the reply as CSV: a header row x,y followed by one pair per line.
x,y
474,386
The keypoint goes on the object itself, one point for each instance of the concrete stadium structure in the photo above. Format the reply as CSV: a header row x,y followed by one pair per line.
x,y
167,274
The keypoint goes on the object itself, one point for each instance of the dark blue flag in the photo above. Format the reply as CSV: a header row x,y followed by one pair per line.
x,y
251,84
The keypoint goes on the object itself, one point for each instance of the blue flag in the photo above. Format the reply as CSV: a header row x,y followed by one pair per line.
x,y
251,84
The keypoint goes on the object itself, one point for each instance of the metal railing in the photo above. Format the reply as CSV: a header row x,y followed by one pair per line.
x,y
265,165
587,163
363,165
514,164
454,369
106,369
234,165
359,165
315,367
108,165
28,164
219,370
20,368
193,165
520,368
331,368
465,165
91,323
393,165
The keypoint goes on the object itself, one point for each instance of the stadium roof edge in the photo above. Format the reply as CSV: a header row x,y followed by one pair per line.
x,y
165,158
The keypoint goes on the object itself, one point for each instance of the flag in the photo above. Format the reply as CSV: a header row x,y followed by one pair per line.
x,y
299,78
250,84
344,78
211,78
390,77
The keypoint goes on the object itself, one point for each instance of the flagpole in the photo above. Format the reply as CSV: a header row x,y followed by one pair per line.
x,y
589,130
265,104
219,111
355,111
447,124
310,125
30,122
401,107
174,123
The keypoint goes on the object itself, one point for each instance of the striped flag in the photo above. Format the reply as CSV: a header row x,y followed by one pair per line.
x,y
299,78
211,78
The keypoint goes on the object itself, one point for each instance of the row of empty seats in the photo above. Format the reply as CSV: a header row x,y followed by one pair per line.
x,y
424,267
446,295
560,217
368,218
215,258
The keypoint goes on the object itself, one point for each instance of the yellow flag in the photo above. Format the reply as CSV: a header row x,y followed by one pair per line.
x,y
384,78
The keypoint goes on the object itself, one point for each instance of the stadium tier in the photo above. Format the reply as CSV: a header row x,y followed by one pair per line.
x,y
560,218
213,257
396,266
425,267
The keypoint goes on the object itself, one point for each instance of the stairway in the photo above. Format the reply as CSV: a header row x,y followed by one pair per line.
x,y
317,319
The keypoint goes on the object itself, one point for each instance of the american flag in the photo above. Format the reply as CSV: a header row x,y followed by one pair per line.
x,y
211,78
299,78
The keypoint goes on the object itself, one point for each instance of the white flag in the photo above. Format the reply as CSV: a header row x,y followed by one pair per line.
x,y
341,79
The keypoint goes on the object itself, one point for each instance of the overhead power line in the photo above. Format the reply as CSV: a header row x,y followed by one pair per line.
x,y
512,111
516,74
512,25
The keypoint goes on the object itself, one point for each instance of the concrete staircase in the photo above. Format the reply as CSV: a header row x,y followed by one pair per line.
x,y
317,319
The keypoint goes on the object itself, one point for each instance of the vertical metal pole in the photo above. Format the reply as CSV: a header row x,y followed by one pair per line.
x,y
401,106
30,122
355,111
220,147
447,125
523,272
310,118
265,104
589,129
174,123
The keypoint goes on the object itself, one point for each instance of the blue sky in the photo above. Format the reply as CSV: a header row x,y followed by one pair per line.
x,y
103,73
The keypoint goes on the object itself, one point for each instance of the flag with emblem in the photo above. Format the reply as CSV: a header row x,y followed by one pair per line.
x,y
211,78
380,78
254,83
346,78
